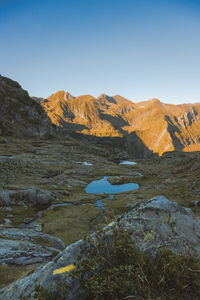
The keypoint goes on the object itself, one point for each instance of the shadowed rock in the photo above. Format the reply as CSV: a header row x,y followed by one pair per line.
x,y
29,196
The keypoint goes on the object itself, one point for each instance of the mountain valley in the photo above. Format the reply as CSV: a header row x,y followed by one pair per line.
x,y
51,149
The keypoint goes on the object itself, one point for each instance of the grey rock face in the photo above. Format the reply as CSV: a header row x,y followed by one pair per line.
x,y
25,246
160,223
155,224
29,196
23,253
29,235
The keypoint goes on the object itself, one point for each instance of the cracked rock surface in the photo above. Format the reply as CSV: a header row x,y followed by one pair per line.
x,y
26,247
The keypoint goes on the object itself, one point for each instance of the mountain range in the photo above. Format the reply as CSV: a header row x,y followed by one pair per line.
x,y
161,127
144,127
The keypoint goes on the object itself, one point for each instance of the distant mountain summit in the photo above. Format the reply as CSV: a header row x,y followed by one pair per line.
x,y
61,95
161,127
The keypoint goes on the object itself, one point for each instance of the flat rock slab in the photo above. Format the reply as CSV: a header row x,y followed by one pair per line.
x,y
153,225
29,235
23,253
25,247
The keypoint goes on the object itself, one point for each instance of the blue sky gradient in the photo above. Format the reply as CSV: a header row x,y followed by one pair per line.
x,y
139,49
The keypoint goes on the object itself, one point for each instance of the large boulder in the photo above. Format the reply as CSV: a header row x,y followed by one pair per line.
x,y
30,196
153,225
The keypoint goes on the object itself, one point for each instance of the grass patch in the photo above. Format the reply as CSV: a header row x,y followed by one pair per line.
x,y
19,213
9,274
69,223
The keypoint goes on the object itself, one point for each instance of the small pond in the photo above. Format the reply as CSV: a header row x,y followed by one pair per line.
x,y
85,163
102,186
127,162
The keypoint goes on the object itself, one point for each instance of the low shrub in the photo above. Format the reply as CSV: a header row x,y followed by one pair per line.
x,y
116,269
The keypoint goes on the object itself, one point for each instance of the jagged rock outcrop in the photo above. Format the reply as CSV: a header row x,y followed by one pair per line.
x,y
26,246
29,196
149,125
20,115
154,224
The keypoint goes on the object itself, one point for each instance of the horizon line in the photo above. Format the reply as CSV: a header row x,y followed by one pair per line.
x,y
112,96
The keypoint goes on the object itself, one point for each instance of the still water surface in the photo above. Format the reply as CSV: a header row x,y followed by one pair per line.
x,y
102,186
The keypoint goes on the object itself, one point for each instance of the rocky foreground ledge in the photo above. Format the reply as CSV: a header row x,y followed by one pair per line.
x,y
156,224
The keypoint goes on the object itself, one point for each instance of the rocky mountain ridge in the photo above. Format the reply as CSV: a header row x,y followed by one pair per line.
x,y
139,128
160,127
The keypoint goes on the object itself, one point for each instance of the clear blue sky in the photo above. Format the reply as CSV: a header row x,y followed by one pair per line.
x,y
140,49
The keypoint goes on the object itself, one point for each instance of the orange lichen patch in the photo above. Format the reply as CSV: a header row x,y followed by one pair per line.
x,y
64,269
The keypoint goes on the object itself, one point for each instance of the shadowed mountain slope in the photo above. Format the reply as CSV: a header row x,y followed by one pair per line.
x,y
161,127
21,116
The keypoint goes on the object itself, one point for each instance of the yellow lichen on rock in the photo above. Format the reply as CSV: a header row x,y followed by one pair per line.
x,y
149,236
64,269
111,224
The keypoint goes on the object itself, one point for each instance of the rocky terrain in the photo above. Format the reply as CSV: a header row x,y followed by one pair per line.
x,y
156,224
158,126
45,169
32,171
